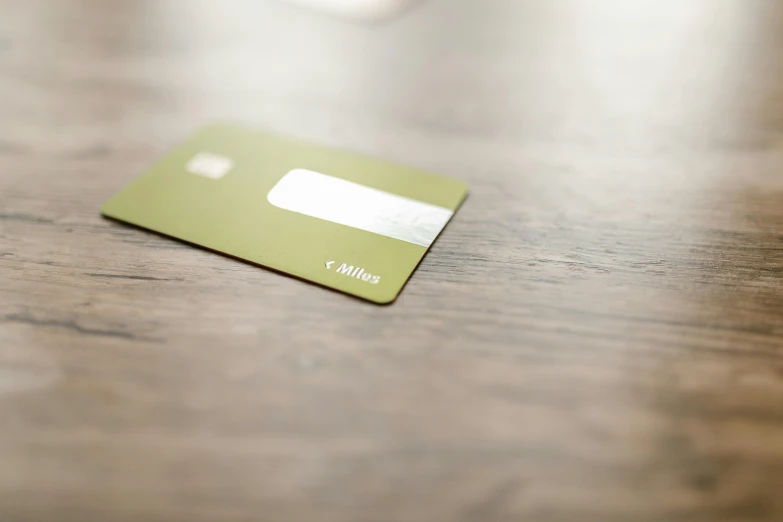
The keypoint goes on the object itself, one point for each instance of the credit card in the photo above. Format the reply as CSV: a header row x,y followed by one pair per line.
x,y
345,221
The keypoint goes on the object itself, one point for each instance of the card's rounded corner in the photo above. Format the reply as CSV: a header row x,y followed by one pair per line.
x,y
385,301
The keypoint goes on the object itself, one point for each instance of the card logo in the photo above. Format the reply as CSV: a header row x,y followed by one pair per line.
x,y
356,272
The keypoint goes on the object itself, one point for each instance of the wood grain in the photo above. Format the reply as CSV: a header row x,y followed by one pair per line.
x,y
597,336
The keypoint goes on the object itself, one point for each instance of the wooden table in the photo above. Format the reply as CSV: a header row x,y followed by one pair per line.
x,y
596,337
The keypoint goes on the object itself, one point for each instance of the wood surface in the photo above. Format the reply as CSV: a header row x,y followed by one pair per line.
x,y
596,337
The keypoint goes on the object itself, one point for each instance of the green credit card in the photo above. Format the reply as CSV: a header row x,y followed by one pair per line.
x,y
345,221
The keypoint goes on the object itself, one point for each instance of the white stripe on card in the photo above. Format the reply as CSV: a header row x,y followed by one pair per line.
x,y
354,205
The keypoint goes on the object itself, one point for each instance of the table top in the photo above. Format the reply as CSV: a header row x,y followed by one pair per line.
x,y
596,336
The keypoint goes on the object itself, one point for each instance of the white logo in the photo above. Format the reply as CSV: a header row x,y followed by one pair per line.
x,y
355,271
209,165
